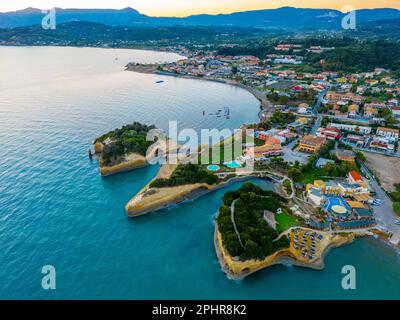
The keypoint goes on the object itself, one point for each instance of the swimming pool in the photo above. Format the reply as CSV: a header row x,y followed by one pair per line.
x,y
336,205
213,167
232,164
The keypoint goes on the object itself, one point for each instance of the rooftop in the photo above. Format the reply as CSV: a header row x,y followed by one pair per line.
x,y
313,140
355,175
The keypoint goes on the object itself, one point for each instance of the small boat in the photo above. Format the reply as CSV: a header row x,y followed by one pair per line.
x,y
160,81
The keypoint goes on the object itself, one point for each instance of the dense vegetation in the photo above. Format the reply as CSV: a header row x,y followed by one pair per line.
x,y
307,96
282,119
186,174
350,54
278,119
129,138
308,173
385,29
361,56
81,33
257,236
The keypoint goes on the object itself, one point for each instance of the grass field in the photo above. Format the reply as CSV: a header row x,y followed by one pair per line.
x,y
285,221
310,176
396,207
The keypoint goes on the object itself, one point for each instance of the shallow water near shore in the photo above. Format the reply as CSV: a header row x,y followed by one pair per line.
x,y
55,209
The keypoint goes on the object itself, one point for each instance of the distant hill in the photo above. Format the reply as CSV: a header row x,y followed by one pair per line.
x,y
32,16
387,28
83,33
286,17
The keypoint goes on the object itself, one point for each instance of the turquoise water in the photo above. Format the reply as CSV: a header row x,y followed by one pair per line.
x,y
232,164
213,167
55,209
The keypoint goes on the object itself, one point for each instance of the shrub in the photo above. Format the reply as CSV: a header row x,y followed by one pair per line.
x,y
396,207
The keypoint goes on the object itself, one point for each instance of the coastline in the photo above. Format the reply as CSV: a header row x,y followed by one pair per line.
x,y
174,195
106,171
126,162
238,270
91,219
265,104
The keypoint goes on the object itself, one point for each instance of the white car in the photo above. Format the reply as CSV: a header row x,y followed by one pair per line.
x,y
377,202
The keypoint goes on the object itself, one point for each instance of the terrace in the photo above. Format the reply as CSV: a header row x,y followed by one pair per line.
x,y
336,205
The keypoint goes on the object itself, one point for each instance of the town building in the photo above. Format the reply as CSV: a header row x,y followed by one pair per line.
x,y
345,155
311,144
352,128
272,147
329,133
354,177
322,162
396,112
388,133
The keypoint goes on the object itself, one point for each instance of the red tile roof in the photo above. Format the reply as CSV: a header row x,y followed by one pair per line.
x,y
355,175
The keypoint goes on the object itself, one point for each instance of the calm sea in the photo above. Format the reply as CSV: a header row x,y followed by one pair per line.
x,y
56,210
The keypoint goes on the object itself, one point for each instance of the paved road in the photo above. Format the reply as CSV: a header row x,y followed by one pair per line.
x,y
292,156
321,96
384,213
317,105
316,125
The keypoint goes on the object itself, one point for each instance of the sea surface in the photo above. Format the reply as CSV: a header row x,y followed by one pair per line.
x,y
56,210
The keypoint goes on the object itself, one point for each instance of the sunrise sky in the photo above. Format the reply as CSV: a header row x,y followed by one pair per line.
x,y
188,7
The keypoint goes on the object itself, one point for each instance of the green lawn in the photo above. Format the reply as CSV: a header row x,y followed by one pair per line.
x,y
396,207
395,196
285,221
310,176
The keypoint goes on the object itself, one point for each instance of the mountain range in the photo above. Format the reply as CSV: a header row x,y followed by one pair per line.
x,y
282,18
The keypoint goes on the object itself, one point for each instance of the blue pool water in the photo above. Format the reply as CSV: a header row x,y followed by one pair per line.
x,y
55,208
213,167
335,201
232,164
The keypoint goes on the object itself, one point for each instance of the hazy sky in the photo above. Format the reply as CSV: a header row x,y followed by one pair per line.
x,y
187,7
